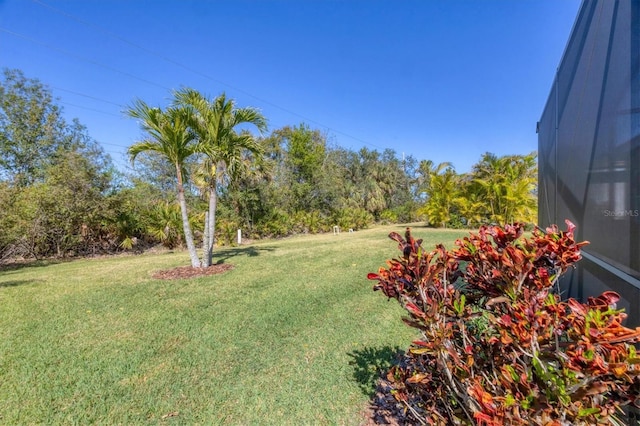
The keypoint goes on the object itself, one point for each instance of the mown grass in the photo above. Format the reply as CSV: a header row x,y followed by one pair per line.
x,y
292,335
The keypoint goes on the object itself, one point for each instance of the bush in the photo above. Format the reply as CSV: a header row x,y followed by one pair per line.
x,y
278,224
227,232
388,216
497,344
310,222
353,218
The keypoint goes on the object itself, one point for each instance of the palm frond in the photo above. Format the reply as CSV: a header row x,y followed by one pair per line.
x,y
143,146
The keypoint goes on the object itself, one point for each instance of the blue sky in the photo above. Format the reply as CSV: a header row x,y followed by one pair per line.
x,y
445,80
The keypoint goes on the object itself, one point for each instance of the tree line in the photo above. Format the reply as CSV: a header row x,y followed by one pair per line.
x,y
207,167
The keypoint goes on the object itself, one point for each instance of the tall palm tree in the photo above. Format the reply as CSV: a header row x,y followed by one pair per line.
x,y
169,135
216,122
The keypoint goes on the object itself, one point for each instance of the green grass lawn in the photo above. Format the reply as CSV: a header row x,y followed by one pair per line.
x,y
292,335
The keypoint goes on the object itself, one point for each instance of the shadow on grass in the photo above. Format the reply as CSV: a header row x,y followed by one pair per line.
x,y
15,266
222,255
370,363
16,283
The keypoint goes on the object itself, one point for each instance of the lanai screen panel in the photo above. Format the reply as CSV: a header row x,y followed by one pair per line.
x,y
589,139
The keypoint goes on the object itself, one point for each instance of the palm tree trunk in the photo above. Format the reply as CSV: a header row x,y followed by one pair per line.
x,y
205,240
188,235
211,225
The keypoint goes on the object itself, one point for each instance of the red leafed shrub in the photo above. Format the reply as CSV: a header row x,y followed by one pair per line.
x,y
498,346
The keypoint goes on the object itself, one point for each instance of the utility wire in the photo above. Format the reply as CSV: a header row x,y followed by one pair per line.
x,y
88,96
194,71
73,55
90,109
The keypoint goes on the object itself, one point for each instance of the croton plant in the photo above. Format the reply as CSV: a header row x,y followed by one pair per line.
x,y
497,344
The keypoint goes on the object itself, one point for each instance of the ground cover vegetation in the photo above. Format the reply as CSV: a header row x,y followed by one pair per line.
x,y
498,346
100,341
206,167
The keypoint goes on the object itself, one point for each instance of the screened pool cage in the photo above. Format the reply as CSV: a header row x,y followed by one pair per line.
x,y
589,151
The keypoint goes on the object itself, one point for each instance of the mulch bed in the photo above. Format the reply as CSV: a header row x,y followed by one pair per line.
x,y
383,409
183,272
375,415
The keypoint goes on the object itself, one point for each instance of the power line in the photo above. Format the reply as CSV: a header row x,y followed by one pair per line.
x,y
90,109
73,55
194,71
88,96
91,61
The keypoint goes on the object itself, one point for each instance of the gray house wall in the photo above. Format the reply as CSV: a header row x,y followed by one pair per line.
x,y
589,150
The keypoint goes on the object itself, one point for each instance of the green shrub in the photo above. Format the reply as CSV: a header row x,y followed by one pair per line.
x,y
353,218
310,222
388,216
278,224
497,345
165,224
227,232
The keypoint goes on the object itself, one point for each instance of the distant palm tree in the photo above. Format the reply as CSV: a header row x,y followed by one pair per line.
x,y
443,188
170,136
440,185
507,185
216,124
469,204
427,169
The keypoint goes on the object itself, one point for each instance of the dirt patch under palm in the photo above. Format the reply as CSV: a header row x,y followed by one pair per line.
x,y
183,272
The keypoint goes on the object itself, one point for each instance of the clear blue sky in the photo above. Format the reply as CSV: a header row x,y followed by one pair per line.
x,y
445,80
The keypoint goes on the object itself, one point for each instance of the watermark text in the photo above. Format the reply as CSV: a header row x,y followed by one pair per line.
x,y
621,213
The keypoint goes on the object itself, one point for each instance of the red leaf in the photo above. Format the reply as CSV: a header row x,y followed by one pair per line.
x,y
506,320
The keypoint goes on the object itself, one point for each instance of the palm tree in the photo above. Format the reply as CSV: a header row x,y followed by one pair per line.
x,y
489,182
169,136
164,223
507,185
469,204
440,185
216,125
427,169
443,188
